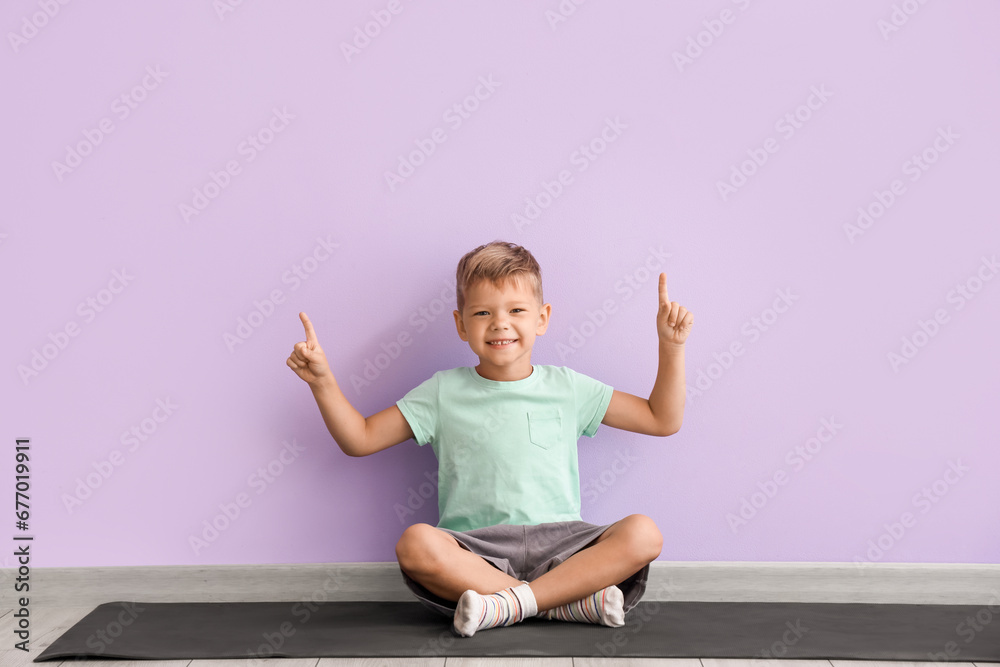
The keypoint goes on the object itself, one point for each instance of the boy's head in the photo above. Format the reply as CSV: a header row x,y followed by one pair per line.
x,y
499,295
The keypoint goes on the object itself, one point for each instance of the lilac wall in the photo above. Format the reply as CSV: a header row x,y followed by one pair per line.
x,y
732,144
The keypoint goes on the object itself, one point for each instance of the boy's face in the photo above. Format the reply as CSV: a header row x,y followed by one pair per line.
x,y
510,313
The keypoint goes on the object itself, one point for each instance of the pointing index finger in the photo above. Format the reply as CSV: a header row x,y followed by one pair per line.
x,y
310,332
663,288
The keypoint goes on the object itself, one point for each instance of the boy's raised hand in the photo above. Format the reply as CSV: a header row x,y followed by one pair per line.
x,y
673,321
307,358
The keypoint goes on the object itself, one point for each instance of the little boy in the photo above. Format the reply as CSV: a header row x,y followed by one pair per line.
x,y
510,543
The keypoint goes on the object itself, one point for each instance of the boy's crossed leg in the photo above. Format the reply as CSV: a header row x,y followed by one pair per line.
x,y
581,588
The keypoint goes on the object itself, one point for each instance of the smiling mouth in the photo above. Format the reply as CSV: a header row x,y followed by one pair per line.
x,y
501,343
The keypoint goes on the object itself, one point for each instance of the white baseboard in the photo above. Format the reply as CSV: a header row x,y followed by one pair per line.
x,y
902,583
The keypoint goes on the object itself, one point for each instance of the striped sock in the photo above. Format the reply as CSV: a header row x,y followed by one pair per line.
x,y
480,612
602,608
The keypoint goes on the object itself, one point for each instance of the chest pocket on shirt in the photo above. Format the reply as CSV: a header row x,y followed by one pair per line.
x,y
544,427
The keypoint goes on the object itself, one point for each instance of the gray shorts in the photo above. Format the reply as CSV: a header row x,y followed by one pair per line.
x,y
526,553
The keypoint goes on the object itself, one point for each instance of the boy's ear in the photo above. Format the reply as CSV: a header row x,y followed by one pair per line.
x,y
460,325
543,319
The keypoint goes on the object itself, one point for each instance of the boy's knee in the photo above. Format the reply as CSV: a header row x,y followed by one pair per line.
x,y
414,545
410,538
648,541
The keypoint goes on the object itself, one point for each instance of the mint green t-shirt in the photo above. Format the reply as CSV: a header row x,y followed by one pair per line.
x,y
506,450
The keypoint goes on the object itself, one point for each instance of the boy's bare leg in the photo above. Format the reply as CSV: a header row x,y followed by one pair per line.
x,y
434,558
437,562
621,551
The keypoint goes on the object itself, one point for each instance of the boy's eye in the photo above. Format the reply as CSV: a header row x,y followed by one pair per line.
x,y
483,312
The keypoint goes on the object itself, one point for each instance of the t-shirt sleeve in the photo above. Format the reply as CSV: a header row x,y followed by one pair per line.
x,y
592,399
420,407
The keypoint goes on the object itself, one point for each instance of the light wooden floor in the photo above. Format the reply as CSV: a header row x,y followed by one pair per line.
x,y
48,623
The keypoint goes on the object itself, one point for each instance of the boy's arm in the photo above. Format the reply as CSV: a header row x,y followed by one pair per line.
x,y
663,412
354,434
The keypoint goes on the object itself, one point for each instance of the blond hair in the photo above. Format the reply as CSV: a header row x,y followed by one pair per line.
x,y
497,262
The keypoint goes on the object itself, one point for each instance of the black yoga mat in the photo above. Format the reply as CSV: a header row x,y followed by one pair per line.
x,y
205,630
